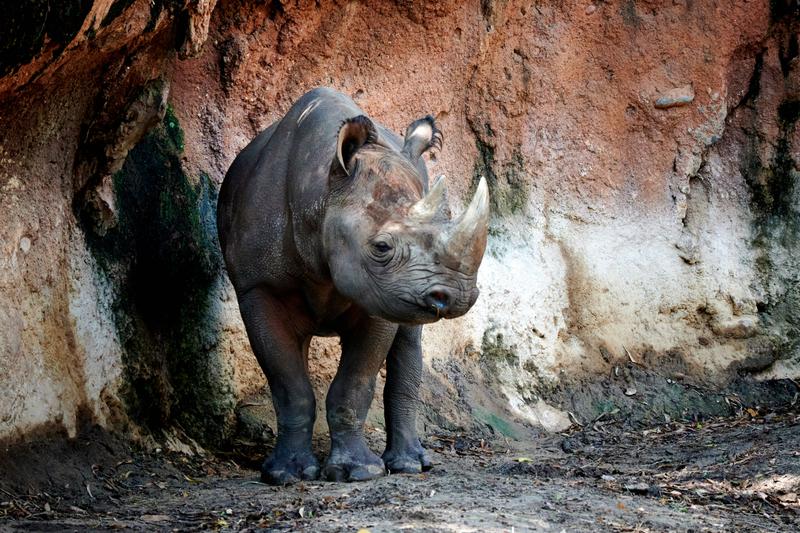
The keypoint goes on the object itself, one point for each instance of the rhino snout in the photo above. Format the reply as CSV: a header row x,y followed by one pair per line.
x,y
445,302
439,299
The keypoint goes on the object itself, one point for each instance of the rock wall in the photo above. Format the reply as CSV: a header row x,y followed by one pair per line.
x,y
642,160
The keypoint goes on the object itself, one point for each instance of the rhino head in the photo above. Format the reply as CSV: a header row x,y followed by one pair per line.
x,y
391,248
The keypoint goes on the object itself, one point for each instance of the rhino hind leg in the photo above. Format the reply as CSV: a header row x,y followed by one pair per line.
x,y
282,356
404,452
364,348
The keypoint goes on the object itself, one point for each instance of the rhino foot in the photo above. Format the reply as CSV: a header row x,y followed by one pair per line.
x,y
285,469
355,462
411,459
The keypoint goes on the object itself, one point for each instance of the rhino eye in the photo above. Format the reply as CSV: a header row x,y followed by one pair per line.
x,y
381,247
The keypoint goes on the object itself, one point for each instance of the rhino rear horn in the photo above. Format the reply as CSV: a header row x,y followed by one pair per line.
x,y
353,135
421,136
432,206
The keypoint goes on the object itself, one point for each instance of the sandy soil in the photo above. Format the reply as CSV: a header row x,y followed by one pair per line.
x,y
733,474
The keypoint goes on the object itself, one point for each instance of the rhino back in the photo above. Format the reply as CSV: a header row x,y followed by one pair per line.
x,y
272,199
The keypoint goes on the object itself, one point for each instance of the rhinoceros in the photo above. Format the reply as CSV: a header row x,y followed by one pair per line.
x,y
328,227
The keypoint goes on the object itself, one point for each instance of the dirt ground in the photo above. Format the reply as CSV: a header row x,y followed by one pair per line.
x,y
727,474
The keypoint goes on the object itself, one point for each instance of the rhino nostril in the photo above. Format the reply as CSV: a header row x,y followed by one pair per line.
x,y
438,299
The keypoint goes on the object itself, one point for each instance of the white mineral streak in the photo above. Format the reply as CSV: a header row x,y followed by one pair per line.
x,y
96,338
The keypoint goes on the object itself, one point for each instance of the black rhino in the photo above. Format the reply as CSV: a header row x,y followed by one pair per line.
x,y
328,227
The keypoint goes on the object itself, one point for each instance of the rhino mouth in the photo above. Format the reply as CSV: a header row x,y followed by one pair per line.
x,y
413,312
427,311
435,312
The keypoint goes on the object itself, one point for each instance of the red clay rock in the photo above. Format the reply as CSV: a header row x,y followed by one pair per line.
x,y
616,224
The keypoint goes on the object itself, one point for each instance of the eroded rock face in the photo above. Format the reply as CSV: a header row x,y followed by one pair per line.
x,y
642,160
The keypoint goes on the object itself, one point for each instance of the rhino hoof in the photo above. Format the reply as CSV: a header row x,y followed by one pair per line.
x,y
411,462
352,472
365,472
276,472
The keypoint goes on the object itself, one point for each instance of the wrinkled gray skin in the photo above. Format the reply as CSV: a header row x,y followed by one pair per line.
x,y
326,230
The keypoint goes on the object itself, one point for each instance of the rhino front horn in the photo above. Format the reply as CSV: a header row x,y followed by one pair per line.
x,y
466,238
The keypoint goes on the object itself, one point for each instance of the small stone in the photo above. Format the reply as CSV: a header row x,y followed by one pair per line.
x,y
737,328
25,245
591,8
12,184
630,391
570,445
677,97
638,488
688,249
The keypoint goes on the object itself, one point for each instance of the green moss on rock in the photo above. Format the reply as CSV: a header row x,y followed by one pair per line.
x,y
496,422
776,211
507,191
164,257
494,350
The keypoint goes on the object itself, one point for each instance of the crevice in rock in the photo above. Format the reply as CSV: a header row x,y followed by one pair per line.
x,y
105,147
788,52
30,25
116,9
508,194
695,219
754,86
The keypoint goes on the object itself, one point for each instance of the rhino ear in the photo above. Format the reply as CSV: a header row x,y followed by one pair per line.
x,y
354,134
421,136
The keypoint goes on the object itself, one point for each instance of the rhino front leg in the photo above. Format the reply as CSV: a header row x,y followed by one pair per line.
x,y
364,348
281,351
404,452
